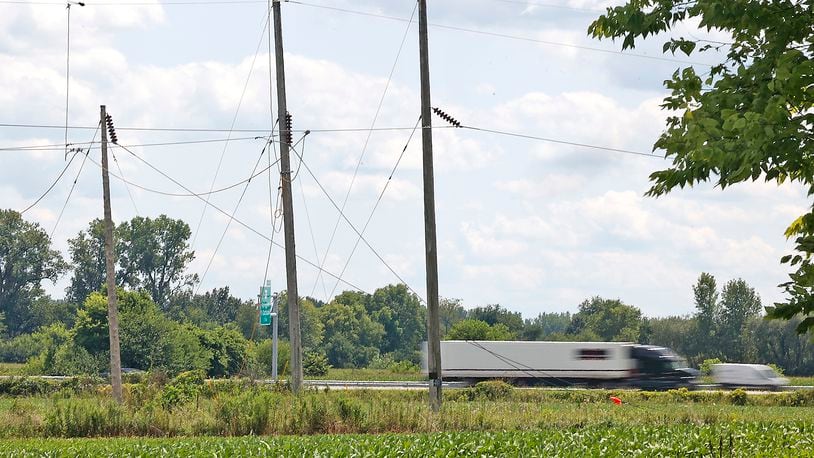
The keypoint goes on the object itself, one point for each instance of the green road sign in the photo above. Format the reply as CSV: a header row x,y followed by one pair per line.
x,y
265,304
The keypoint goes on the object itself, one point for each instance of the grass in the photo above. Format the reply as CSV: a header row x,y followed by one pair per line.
x,y
236,410
737,439
11,368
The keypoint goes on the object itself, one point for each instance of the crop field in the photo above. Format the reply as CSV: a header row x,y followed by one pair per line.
x,y
737,439
189,416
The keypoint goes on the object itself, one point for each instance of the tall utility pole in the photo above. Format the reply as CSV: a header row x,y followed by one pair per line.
x,y
288,208
430,245
112,306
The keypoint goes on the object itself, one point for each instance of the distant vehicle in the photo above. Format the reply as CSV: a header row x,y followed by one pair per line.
x,y
747,376
605,364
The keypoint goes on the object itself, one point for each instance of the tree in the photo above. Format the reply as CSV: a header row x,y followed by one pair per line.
x,y
26,259
607,319
216,307
739,304
545,325
153,254
674,332
496,314
470,329
87,251
403,317
749,117
450,311
707,315
312,328
777,342
352,338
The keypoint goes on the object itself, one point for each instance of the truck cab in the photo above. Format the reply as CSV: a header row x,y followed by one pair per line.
x,y
658,368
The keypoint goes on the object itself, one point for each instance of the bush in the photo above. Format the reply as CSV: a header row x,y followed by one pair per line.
x,y
492,390
71,359
706,366
183,388
776,368
260,355
20,349
738,397
315,364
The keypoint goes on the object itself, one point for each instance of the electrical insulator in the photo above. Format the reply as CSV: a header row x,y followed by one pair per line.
x,y
111,130
289,136
454,122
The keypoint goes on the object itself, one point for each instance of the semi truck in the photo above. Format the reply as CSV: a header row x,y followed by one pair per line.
x,y
592,364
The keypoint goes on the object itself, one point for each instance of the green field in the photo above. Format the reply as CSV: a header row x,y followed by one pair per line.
x,y
190,416
738,439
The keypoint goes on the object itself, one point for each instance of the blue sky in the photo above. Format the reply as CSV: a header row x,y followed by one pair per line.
x,y
534,226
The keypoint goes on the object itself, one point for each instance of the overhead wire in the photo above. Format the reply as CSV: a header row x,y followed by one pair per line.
x,y
353,227
231,218
73,186
51,186
126,186
143,145
376,205
310,226
174,194
234,120
206,129
367,140
223,212
499,35
562,142
273,124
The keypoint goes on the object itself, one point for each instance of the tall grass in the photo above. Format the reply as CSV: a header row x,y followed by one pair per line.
x,y
240,409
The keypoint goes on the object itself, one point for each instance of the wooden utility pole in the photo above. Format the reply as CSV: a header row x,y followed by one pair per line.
x,y
288,207
430,245
112,306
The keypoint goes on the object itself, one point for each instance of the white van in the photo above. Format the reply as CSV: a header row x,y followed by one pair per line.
x,y
747,375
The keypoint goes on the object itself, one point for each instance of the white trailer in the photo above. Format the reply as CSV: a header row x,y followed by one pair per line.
x,y
562,363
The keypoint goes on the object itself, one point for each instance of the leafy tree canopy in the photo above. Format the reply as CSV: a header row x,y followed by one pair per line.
x,y
153,254
26,259
750,117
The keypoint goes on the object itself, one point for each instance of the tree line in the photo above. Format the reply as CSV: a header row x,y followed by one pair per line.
x,y
166,326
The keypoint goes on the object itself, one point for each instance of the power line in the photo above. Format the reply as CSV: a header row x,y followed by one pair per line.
x,y
231,218
311,227
191,194
376,205
234,120
143,145
343,216
562,142
126,186
551,5
51,186
499,35
367,140
73,186
223,212
204,129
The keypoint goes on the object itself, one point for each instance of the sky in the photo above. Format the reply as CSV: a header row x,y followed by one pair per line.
x,y
536,226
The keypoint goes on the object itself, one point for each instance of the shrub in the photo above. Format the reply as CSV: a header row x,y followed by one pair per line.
x,y
183,388
20,348
706,366
738,397
492,390
776,368
315,364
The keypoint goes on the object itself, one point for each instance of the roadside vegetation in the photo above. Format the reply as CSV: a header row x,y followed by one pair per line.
x,y
190,405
